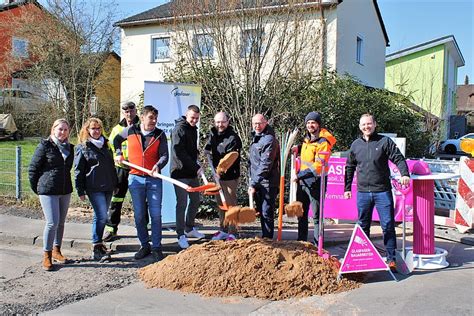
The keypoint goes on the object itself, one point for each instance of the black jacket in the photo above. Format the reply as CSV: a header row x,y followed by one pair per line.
x,y
219,144
49,173
184,150
370,159
264,159
94,169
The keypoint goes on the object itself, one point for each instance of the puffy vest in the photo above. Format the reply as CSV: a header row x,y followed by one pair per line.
x,y
144,158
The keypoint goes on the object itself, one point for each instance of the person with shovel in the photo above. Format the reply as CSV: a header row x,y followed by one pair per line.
x,y
147,148
264,172
369,156
221,141
185,168
317,145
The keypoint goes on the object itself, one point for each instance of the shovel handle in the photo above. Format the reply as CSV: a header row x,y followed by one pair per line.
x,y
157,175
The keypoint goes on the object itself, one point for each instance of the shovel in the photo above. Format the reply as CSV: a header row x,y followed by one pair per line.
x,y
404,260
294,208
173,181
224,205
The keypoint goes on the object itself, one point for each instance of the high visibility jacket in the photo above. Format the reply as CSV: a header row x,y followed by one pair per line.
x,y
312,148
115,131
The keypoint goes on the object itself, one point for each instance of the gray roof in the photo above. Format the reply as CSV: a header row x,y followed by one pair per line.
x,y
165,11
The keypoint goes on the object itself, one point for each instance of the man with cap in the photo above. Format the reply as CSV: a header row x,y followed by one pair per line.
x,y
129,113
317,144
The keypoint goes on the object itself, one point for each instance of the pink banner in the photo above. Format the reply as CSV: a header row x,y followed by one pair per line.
x,y
336,207
361,254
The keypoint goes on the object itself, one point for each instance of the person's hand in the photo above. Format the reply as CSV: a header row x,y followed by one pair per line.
x,y
251,191
154,169
347,195
119,159
405,180
294,150
294,177
82,198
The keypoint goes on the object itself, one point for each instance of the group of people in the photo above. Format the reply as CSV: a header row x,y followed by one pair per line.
x,y
102,176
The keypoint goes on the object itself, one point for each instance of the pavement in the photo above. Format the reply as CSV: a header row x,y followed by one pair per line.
x,y
432,292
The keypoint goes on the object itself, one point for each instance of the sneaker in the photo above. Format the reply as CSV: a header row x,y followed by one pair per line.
x,y
183,242
143,252
230,237
220,235
195,234
393,266
109,236
99,253
157,254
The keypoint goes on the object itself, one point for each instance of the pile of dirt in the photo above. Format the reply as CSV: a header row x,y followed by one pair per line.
x,y
249,268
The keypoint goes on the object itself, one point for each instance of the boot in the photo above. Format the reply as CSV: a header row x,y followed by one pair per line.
x,y
47,263
58,256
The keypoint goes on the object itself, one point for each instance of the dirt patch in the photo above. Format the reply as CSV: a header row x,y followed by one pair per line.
x,y
249,268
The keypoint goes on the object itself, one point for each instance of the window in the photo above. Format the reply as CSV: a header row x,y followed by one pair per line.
x,y
360,46
252,42
203,46
161,49
19,47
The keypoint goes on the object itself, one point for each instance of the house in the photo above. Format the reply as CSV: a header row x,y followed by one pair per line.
x,y
349,36
11,45
465,104
427,73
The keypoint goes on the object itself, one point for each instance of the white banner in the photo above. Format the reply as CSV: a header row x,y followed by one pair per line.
x,y
172,101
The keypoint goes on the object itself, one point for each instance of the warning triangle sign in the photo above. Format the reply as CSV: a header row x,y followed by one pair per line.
x,y
361,255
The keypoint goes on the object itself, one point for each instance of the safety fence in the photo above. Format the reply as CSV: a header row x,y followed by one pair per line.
x,y
14,173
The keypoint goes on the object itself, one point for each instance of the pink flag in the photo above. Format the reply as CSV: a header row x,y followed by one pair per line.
x,y
361,254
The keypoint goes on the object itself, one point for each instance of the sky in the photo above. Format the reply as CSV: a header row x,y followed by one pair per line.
x,y
408,23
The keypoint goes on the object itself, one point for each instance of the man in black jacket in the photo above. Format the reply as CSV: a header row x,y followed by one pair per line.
x,y
264,168
223,140
369,156
185,168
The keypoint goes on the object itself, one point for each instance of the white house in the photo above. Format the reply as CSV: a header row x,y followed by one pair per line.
x,y
351,40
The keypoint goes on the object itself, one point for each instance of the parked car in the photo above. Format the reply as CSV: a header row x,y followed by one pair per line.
x,y
452,146
8,128
13,100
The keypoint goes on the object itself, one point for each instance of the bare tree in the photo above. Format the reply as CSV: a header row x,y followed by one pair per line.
x,y
67,43
240,51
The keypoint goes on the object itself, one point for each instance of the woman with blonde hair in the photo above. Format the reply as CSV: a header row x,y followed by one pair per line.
x,y
95,177
50,178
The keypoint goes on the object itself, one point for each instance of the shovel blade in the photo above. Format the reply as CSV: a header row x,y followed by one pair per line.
x,y
409,261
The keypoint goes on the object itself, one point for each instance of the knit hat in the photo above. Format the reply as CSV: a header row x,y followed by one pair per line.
x,y
313,116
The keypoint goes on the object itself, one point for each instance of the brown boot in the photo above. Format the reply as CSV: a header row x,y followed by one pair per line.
x,y
57,255
47,263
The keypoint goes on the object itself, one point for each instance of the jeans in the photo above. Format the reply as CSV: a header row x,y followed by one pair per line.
x,y
186,212
100,202
147,195
265,199
55,210
383,201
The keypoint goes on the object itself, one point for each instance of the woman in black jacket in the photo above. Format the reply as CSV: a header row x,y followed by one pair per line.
x,y
50,178
95,176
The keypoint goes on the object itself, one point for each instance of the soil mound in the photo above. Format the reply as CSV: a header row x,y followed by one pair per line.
x,y
258,268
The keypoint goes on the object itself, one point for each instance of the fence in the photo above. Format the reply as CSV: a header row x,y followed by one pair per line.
x,y
13,173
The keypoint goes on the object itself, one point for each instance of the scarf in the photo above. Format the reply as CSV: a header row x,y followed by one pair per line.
x,y
99,143
64,147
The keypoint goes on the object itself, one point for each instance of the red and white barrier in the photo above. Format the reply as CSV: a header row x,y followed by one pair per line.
x,y
464,211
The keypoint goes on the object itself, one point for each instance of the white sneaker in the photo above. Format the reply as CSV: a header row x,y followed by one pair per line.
x,y
220,235
183,242
195,234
